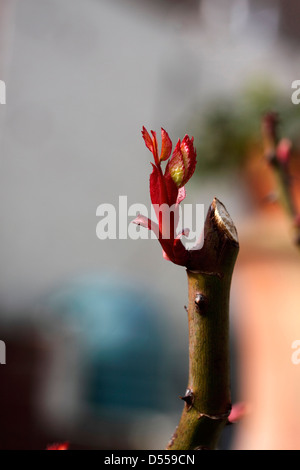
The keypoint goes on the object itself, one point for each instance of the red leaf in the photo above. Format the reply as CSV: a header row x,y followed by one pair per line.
x,y
166,145
167,192
155,151
175,167
189,157
158,188
147,139
172,190
151,144
147,223
181,195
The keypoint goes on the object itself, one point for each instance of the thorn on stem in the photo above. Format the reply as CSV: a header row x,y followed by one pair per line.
x,y
188,399
201,302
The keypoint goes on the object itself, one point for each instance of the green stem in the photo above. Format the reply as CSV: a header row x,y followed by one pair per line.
x,y
207,399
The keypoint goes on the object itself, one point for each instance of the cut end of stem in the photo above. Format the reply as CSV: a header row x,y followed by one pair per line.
x,y
223,220
220,239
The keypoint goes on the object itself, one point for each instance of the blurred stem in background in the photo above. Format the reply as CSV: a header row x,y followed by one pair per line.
x,y
227,128
278,153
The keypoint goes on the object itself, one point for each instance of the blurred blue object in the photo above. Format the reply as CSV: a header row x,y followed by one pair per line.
x,y
124,345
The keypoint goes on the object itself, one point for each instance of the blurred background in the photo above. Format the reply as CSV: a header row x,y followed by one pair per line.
x,y
95,330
